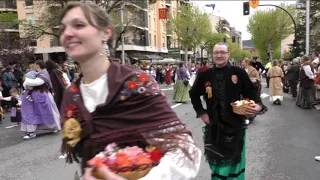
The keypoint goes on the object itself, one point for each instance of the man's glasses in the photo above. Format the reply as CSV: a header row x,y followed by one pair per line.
x,y
221,52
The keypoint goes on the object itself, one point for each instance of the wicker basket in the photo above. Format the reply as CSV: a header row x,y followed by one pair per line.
x,y
132,175
136,173
241,110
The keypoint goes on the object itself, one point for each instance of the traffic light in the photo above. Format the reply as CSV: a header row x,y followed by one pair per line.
x,y
294,44
246,8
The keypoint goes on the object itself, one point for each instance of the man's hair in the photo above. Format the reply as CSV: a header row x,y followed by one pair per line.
x,y
222,44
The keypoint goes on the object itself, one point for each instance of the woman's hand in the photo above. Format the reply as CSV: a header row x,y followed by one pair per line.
x,y
104,171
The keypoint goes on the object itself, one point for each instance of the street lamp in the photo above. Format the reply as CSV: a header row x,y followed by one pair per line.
x,y
122,35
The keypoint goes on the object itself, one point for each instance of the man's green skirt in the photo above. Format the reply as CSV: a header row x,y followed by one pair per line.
x,y
232,172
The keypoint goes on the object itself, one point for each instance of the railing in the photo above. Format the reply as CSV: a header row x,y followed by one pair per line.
x,y
137,42
8,25
8,4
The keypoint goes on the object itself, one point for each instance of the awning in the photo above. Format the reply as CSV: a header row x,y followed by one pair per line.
x,y
141,57
155,57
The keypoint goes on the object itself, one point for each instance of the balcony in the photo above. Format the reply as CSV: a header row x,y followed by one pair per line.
x,y
9,26
8,5
135,18
168,3
139,4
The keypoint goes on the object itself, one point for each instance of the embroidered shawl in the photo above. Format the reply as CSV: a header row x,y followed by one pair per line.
x,y
136,112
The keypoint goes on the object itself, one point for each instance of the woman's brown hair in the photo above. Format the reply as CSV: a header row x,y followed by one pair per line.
x,y
95,16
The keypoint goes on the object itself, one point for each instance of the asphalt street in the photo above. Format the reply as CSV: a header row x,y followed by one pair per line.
x,y
281,145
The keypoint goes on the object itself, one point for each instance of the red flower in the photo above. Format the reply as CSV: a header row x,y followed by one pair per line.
x,y
74,88
96,162
207,84
132,85
71,111
123,160
143,78
156,155
142,159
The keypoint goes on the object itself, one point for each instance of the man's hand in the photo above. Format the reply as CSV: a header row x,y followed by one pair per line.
x,y
205,118
253,110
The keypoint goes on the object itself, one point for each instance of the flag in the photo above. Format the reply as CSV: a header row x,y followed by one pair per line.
x,y
163,13
211,5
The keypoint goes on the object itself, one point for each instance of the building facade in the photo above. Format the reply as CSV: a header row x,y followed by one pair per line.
x,y
10,30
146,35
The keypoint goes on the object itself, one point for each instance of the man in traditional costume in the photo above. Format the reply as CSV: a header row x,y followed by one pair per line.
x,y
224,133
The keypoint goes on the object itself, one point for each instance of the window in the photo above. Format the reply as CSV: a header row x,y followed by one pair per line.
x,y
30,18
149,22
155,40
33,43
150,39
155,25
163,40
28,2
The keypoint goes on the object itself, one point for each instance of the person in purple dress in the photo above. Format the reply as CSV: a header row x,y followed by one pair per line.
x,y
42,112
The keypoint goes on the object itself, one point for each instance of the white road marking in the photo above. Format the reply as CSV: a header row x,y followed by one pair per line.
x,y
62,156
176,105
8,127
264,95
167,89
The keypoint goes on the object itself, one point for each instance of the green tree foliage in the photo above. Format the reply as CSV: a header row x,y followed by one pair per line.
x,y
246,53
314,28
192,27
270,27
47,23
212,39
287,56
13,49
235,51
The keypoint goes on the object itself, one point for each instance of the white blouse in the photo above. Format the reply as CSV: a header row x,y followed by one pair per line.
x,y
174,165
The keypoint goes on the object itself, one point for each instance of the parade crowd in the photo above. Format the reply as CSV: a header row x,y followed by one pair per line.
x,y
98,102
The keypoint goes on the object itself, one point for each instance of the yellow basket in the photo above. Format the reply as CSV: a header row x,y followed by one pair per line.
x,y
241,110
131,175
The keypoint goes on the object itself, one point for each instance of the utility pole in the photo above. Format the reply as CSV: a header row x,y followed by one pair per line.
x,y
122,36
270,51
307,27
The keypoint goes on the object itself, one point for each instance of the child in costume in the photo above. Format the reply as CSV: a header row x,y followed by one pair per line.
x,y
32,74
15,100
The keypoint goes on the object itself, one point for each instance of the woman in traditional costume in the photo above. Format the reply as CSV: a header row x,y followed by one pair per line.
x,y
42,112
306,86
58,80
117,103
182,85
168,75
253,74
275,74
193,74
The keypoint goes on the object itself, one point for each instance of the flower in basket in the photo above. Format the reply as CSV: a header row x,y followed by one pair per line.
x,y
239,107
128,162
